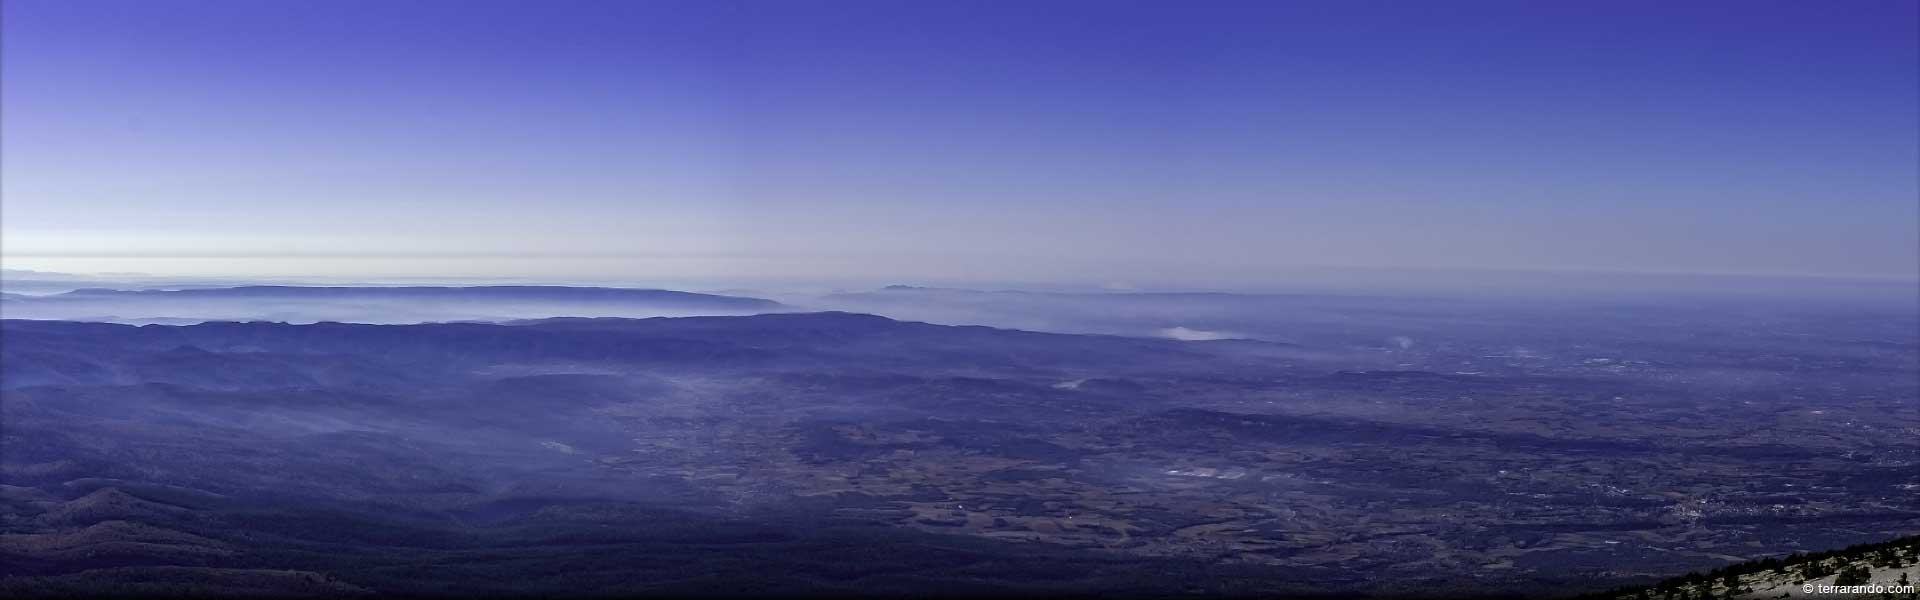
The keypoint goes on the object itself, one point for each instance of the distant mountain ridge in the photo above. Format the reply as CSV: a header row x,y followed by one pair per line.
x,y
372,304
491,292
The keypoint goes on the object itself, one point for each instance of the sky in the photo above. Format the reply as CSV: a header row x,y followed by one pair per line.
x,y
1215,144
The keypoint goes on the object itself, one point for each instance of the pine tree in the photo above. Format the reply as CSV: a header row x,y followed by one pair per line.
x,y
1815,569
1855,575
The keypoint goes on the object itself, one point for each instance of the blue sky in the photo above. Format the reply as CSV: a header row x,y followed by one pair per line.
x,y
1202,143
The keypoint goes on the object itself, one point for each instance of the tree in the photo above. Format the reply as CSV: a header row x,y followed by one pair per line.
x,y
1855,575
1815,569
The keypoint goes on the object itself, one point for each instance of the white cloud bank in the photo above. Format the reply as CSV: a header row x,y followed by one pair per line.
x,y
1198,335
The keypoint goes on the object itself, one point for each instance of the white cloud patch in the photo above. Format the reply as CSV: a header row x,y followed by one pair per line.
x,y
1198,335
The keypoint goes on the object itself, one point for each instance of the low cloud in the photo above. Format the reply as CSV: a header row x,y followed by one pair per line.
x,y
1198,335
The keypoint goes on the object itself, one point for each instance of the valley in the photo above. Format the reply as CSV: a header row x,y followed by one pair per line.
x,y
1239,466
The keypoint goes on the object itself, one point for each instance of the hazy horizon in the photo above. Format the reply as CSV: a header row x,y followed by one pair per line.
x,y
1890,296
